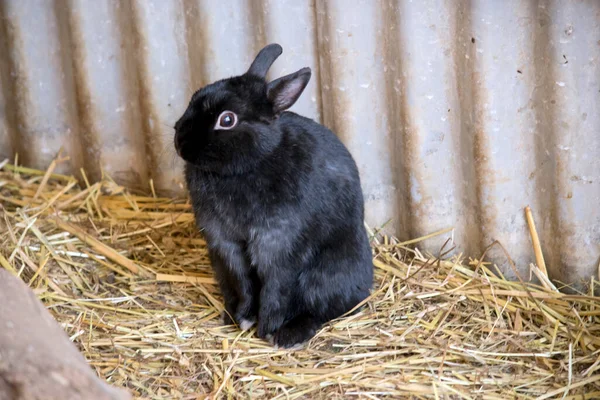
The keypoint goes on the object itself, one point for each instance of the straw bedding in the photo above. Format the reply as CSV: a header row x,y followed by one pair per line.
x,y
128,278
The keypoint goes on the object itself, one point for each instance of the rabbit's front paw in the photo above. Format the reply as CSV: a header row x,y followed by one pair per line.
x,y
245,322
268,325
295,333
246,314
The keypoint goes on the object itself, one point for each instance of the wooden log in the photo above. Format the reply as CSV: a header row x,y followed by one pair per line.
x,y
37,359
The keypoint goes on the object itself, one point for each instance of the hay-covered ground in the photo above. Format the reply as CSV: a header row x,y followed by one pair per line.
x,y
112,267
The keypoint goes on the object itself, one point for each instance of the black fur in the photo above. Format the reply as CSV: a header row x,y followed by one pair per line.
x,y
279,200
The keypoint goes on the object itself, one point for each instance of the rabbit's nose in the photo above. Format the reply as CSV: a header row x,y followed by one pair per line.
x,y
182,122
178,124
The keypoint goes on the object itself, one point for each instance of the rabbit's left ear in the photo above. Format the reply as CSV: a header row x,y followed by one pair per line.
x,y
265,58
283,92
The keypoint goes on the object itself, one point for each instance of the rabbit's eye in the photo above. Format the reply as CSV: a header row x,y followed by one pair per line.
x,y
227,120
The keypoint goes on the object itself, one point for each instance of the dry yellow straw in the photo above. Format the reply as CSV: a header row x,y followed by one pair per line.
x,y
184,278
432,328
48,173
97,245
535,240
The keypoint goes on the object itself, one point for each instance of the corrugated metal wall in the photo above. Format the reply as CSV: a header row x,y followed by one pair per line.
x,y
459,113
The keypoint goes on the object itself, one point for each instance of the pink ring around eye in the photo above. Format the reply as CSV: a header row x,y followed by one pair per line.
x,y
227,120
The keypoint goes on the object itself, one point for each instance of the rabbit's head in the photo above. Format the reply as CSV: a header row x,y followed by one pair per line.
x,y
229,124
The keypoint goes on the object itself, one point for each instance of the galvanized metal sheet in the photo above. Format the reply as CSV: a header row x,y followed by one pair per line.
x,y
459,113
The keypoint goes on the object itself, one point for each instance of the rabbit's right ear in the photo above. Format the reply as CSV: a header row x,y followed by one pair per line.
x,y
265,58
283,92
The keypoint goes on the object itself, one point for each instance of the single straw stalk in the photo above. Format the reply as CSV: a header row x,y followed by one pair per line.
x,y
535,240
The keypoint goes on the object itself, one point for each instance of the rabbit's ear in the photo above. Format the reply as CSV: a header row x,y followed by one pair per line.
x,y
264,60
283,92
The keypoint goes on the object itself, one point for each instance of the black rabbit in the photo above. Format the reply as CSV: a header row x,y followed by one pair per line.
x,y
279,201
